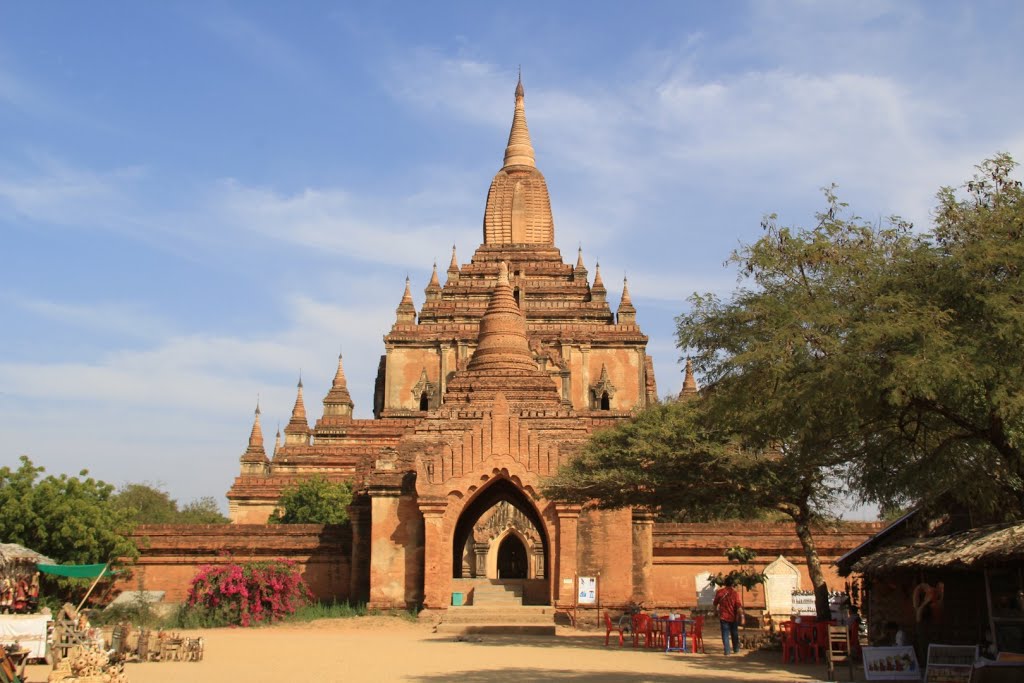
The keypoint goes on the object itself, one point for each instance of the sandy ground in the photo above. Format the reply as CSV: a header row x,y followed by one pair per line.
x,y
393,649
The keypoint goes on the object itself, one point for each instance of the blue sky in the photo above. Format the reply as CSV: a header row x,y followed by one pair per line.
x,y
197,200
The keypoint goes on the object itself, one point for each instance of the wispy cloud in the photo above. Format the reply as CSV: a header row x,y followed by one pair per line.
x,y
48,190
778,131
213,374
123,320
16,93
262,46
397,230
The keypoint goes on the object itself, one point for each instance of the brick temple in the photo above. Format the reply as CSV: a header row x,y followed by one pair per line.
x,y
502,375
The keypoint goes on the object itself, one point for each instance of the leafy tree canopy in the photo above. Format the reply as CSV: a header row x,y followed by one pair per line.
x,y
886,356
149,504
202,511
853,356
67,518
665,459
146,504
314,501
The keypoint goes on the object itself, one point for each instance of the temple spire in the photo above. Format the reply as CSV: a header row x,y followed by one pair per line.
x,y
689,382
406,311
433,288
598,292
519,151
626,314
338,401
297,429
453,267
502,342
254,460
256,435
579,273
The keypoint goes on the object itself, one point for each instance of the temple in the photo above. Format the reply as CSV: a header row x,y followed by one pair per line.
x,y
498,379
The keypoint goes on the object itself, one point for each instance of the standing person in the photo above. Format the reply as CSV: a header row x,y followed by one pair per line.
x,y
730,613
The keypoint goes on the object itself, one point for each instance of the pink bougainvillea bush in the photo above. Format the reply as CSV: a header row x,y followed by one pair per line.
x,y
245,594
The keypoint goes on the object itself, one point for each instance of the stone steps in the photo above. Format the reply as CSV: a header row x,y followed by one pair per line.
x,y
499,615
512,620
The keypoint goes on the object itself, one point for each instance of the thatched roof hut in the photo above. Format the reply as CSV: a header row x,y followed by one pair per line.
x,y
974,549
14,557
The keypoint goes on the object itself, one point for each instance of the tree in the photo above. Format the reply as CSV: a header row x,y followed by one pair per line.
x,y
314,501
667,458
947,420
67,518
859,358
149,504
146,504
202,511
878,356
680,457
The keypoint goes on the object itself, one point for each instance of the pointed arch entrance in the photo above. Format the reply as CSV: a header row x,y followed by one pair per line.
x,y
511,558
500,536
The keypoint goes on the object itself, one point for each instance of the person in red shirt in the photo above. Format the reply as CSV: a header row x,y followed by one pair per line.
x,y
730,613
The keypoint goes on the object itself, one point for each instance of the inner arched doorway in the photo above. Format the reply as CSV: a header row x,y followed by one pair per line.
x,y
500,537
512,558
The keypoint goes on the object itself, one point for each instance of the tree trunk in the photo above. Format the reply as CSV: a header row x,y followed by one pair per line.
x,y
803,532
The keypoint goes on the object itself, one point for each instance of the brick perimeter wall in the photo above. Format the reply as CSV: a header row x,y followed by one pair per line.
x,y
170,555
681,551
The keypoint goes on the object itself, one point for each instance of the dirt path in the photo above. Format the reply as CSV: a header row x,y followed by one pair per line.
x,y
392,649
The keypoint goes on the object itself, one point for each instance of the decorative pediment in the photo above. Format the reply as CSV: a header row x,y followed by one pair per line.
x,y
425,388
600,389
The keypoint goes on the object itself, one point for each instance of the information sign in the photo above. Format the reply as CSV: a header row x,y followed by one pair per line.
x,y
587,592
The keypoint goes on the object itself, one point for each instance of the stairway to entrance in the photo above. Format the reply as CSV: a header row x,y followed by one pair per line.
x,y
498,594
497,608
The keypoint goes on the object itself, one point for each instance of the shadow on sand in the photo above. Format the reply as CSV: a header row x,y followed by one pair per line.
x,y
759,665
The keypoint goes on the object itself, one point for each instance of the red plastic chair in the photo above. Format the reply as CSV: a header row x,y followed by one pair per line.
x,y
816,638
697,634
675,636
854,631
642,627
790,647
609,627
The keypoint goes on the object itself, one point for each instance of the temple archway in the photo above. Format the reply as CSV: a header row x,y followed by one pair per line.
x,y
512,558
500,524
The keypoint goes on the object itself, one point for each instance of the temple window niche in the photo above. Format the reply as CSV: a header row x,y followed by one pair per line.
x,y
602,391
425,392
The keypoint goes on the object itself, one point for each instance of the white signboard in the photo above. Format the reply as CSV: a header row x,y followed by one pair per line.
x,y
781,579
803,603
705,591
587,591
